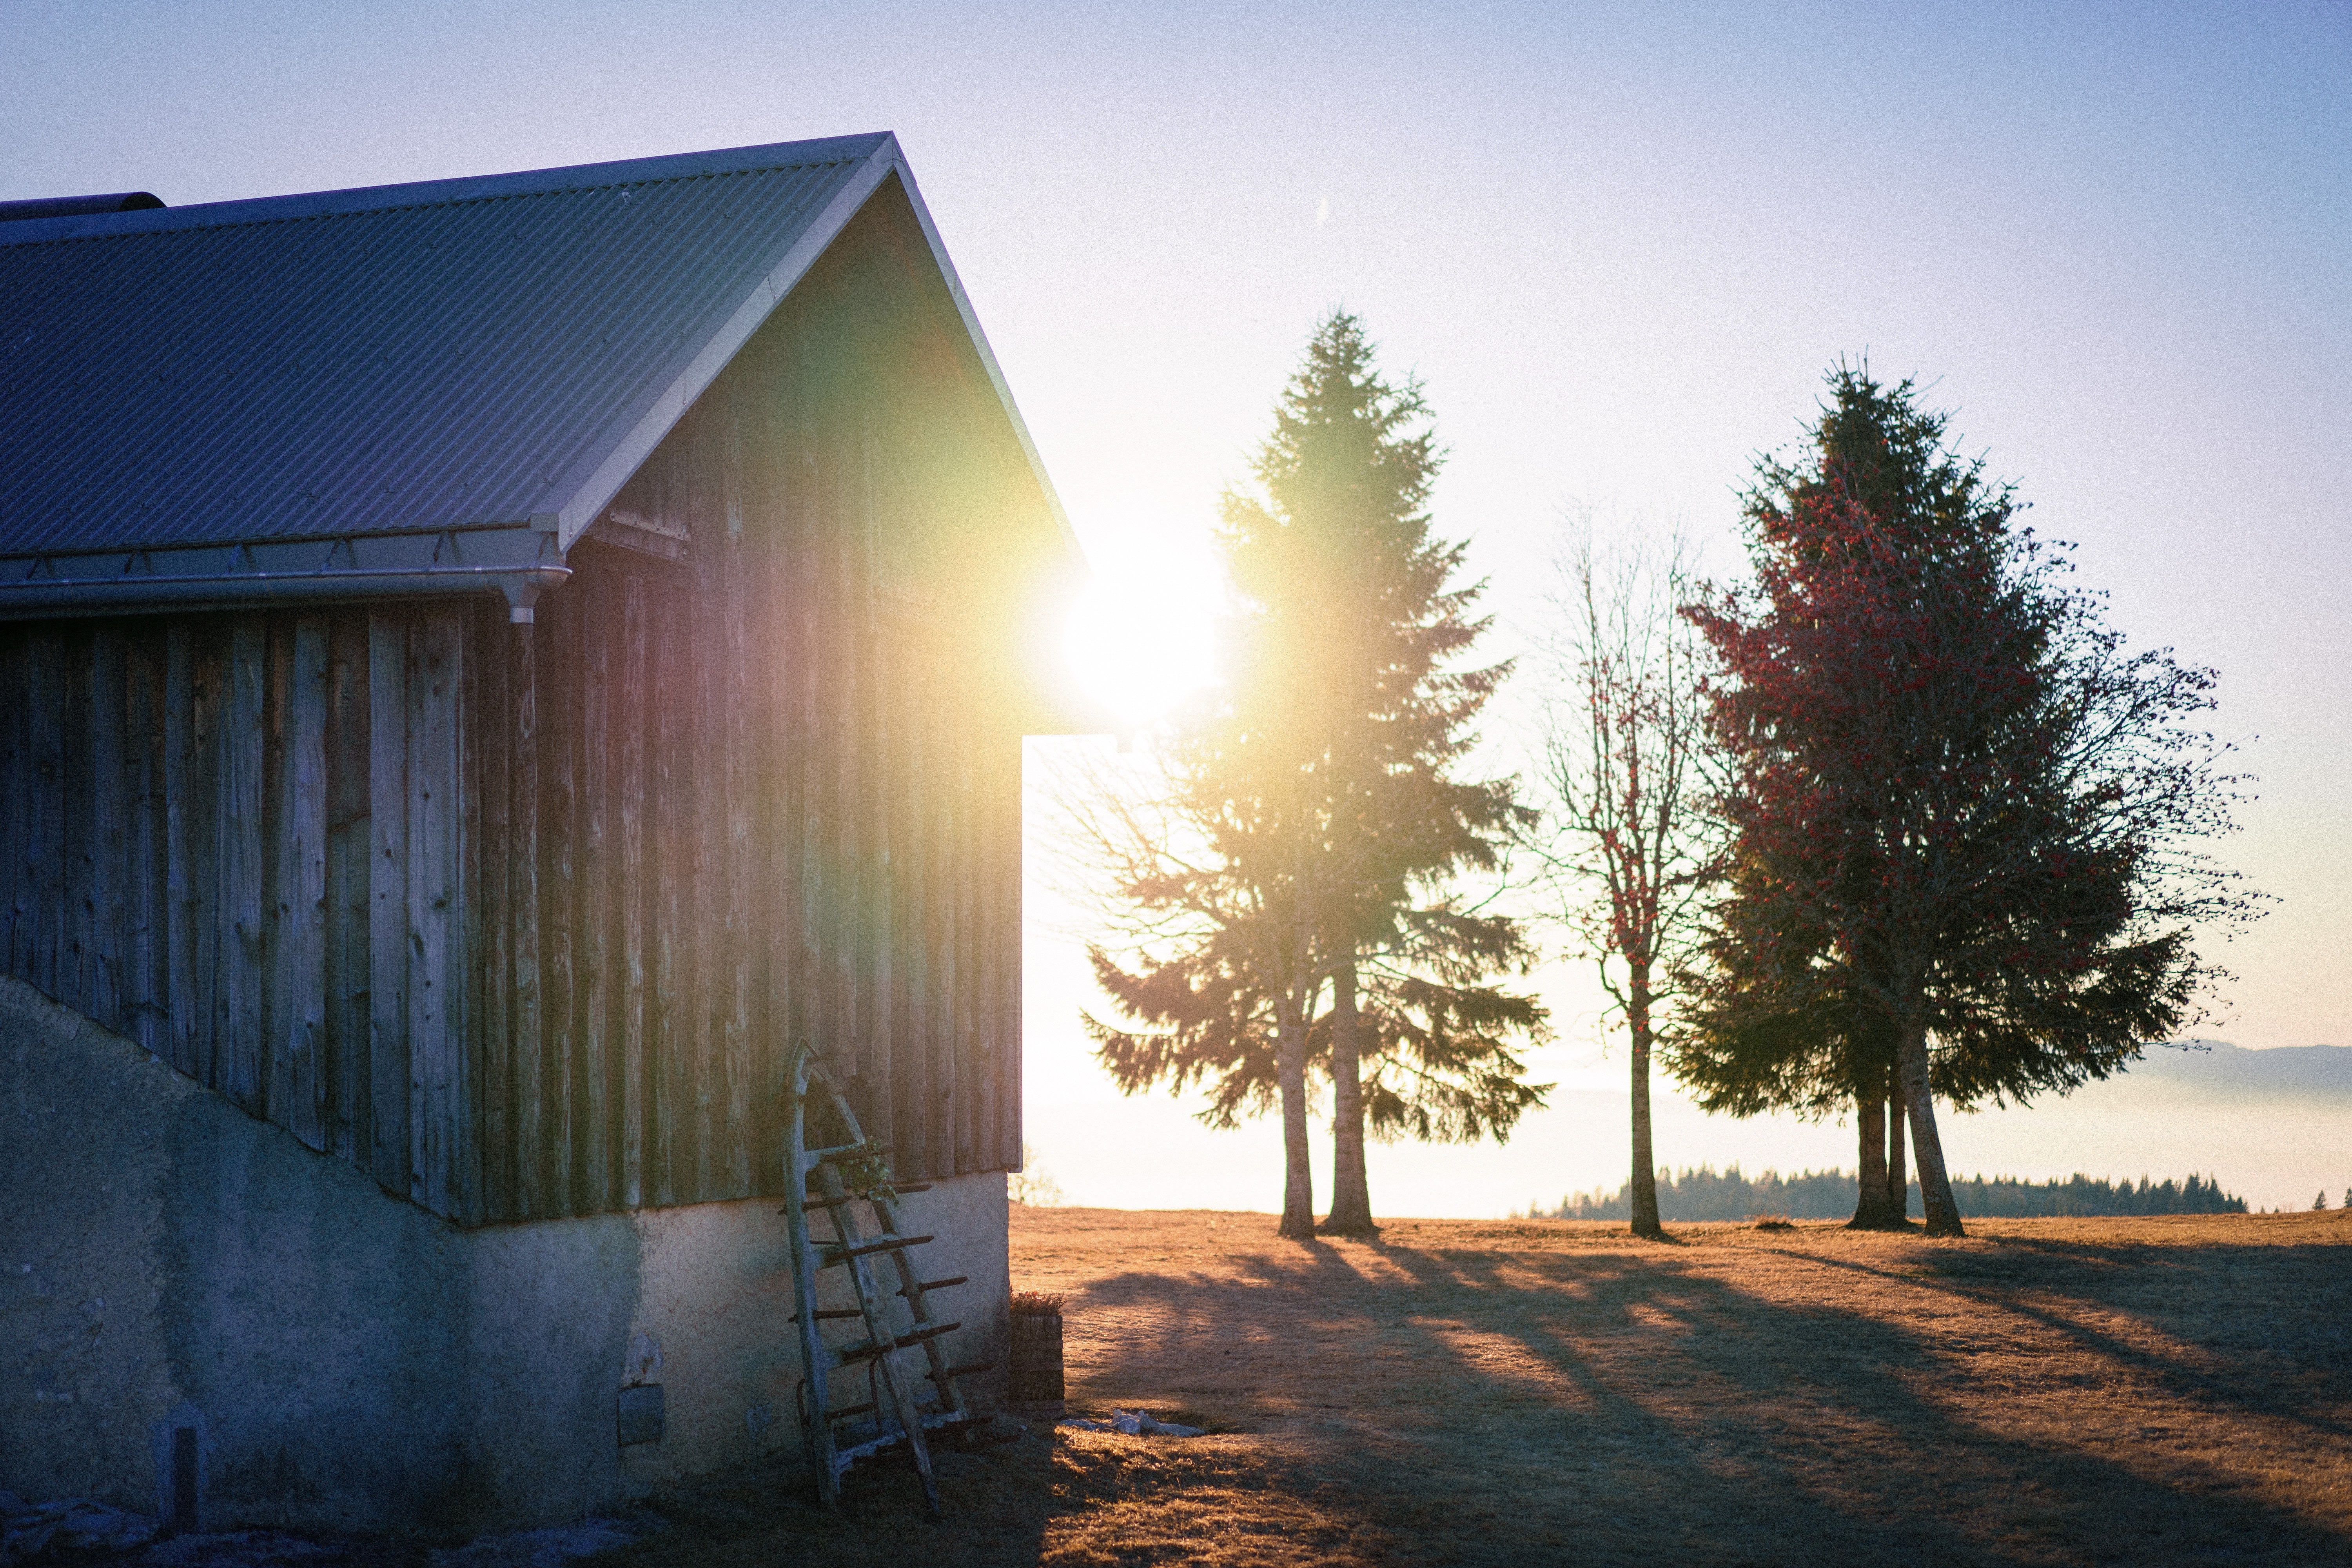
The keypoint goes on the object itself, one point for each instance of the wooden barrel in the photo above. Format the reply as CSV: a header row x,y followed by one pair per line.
x,y
1035,1387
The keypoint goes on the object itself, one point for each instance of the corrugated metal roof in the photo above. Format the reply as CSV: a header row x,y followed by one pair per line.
x,y
457,353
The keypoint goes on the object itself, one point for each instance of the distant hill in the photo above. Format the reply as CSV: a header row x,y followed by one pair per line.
x,y
2216,1069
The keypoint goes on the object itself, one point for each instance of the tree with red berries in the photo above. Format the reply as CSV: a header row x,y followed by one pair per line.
x,y
1961,813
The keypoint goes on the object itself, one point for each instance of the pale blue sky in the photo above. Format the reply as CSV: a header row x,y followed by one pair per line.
x,y
1618,243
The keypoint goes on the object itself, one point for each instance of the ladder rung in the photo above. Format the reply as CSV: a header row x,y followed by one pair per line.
x,y
882,1443
868,1351
827,1156
941,1284
910,1186
825,1312
963,1371
927,1406
840,1254
813,1202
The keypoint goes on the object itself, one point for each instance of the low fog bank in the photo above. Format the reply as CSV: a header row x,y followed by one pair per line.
x,y
2272,1126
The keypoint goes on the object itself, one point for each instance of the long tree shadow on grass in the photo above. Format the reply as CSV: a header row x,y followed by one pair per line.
x,y
1503,1405
2221,1353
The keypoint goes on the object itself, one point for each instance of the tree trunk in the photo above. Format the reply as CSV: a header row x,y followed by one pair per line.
x,y
1298,1175
1870,1208
1918,1098
1351,1199
1645,1172
1898,1180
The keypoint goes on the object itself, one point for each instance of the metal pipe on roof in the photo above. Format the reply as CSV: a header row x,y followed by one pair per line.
x,y
78,206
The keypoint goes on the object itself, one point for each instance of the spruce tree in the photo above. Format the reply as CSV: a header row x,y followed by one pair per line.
x,y
1313,829
1336,545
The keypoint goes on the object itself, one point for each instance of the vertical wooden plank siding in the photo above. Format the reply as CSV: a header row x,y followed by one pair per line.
x,y
181,904
916,1075
846,624
947,1025
298,1017
988,883
784,989
807,723
595,898
938,1078
531,1041
667,1044
883,1052
77,938
970,1070
1011,893
438,1127
349,953
489,938
241,1020
45,830
715,1090
630,889
16,776
388,927
986,949
559,994
277,862
215,937
481,1043
911,1058
146,987
742,1146
954,979
109,899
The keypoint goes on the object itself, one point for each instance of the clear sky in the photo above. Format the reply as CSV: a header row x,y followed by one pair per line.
x,y
1618,243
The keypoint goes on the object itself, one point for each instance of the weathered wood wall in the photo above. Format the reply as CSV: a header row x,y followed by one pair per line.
x,y
237,838
774,795
524,919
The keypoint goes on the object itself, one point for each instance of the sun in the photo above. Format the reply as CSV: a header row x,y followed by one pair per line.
x,y
1140,641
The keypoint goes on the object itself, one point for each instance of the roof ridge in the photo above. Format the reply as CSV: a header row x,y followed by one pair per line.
x,y
767,157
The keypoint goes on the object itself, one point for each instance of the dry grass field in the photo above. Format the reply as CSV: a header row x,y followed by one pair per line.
x,y
2125,1391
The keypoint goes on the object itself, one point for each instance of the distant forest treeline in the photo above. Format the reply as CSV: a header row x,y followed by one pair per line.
x,y
1708,1195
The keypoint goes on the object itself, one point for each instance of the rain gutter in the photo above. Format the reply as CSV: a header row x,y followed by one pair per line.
x,y
519,563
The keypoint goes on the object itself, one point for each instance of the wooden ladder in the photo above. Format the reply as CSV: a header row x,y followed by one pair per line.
x,y
842,1177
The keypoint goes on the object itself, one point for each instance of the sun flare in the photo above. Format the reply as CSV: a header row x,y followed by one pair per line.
x,y
1141,642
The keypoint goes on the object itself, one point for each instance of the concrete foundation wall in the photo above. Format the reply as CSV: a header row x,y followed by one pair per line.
x,y
349,1360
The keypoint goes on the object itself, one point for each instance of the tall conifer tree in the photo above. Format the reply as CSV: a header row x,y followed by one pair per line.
x,y
1336,549
1311,828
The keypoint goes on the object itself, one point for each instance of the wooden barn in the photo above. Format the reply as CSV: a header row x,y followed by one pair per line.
x,y
485,666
